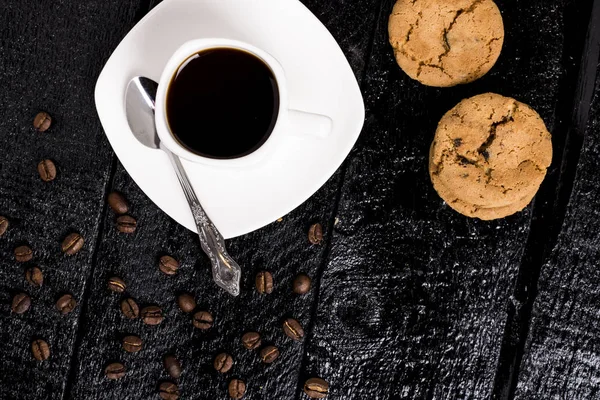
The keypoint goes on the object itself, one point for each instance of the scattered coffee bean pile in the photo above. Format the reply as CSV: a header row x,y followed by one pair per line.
x,y
125,223
201,319
152,314
22,302
46,168
71,245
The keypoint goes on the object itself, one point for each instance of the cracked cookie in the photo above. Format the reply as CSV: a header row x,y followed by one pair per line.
x,y
489,156
446,42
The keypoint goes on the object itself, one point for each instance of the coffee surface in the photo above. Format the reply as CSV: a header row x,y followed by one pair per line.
x,y
222,103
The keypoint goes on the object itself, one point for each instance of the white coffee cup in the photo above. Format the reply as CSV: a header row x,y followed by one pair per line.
x,y
289,122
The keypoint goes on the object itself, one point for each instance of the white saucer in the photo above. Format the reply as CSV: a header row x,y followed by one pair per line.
x,y
319,80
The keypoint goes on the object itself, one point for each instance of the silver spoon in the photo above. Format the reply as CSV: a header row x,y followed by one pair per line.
x,y
139,106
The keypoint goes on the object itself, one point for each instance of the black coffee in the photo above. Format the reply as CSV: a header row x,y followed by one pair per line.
x,y
222,103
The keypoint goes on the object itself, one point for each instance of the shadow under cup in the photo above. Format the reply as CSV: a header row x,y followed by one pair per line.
x,y
222,103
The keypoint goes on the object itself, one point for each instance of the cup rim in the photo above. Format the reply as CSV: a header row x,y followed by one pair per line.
x,y
187,50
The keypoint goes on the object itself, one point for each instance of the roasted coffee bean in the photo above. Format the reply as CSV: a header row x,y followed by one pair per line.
x,y
269,354
117,202
65,304
316,388
129,308
186,302
237,388
34,276
72,244
203,320
126,224
21,303
251,340
168,391
47,170
172,366
168,265
293,329
42,121
264,282
223,363
40,350
132,344
301,284
116,284
3,225
115,371
315,234
23,253
152,315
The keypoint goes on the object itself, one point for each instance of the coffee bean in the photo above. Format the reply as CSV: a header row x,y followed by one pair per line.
x,y
115,371
129,308
3,225
269,354
223,363
251,340
172,366
315,234
23,253
132,344
65,304
34,276
301,284
21,303
42,121
168,391
293,329
40,350
152,315
203,320
116,284
47,170
264,282
126,224
316,388
237,388
186,302
168,265
117,202
72,244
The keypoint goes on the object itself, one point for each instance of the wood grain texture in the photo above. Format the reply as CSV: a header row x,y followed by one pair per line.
x,y
281,248
562,355
50,55
412,301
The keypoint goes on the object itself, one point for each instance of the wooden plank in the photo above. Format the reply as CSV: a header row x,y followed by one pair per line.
x,y
576,89
281,248
412,301
561,352
50,55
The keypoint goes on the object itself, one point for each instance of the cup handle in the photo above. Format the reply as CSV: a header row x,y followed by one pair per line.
x,y
304,123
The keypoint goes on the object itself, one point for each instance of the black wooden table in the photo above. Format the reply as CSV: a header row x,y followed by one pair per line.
x,y
410,299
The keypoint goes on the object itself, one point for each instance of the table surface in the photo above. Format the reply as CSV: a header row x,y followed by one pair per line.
x,y
410,299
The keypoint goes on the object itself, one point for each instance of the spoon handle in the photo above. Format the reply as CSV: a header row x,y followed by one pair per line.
x,y
226,272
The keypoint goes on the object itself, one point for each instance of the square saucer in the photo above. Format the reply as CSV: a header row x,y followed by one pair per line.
x,y
319,78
